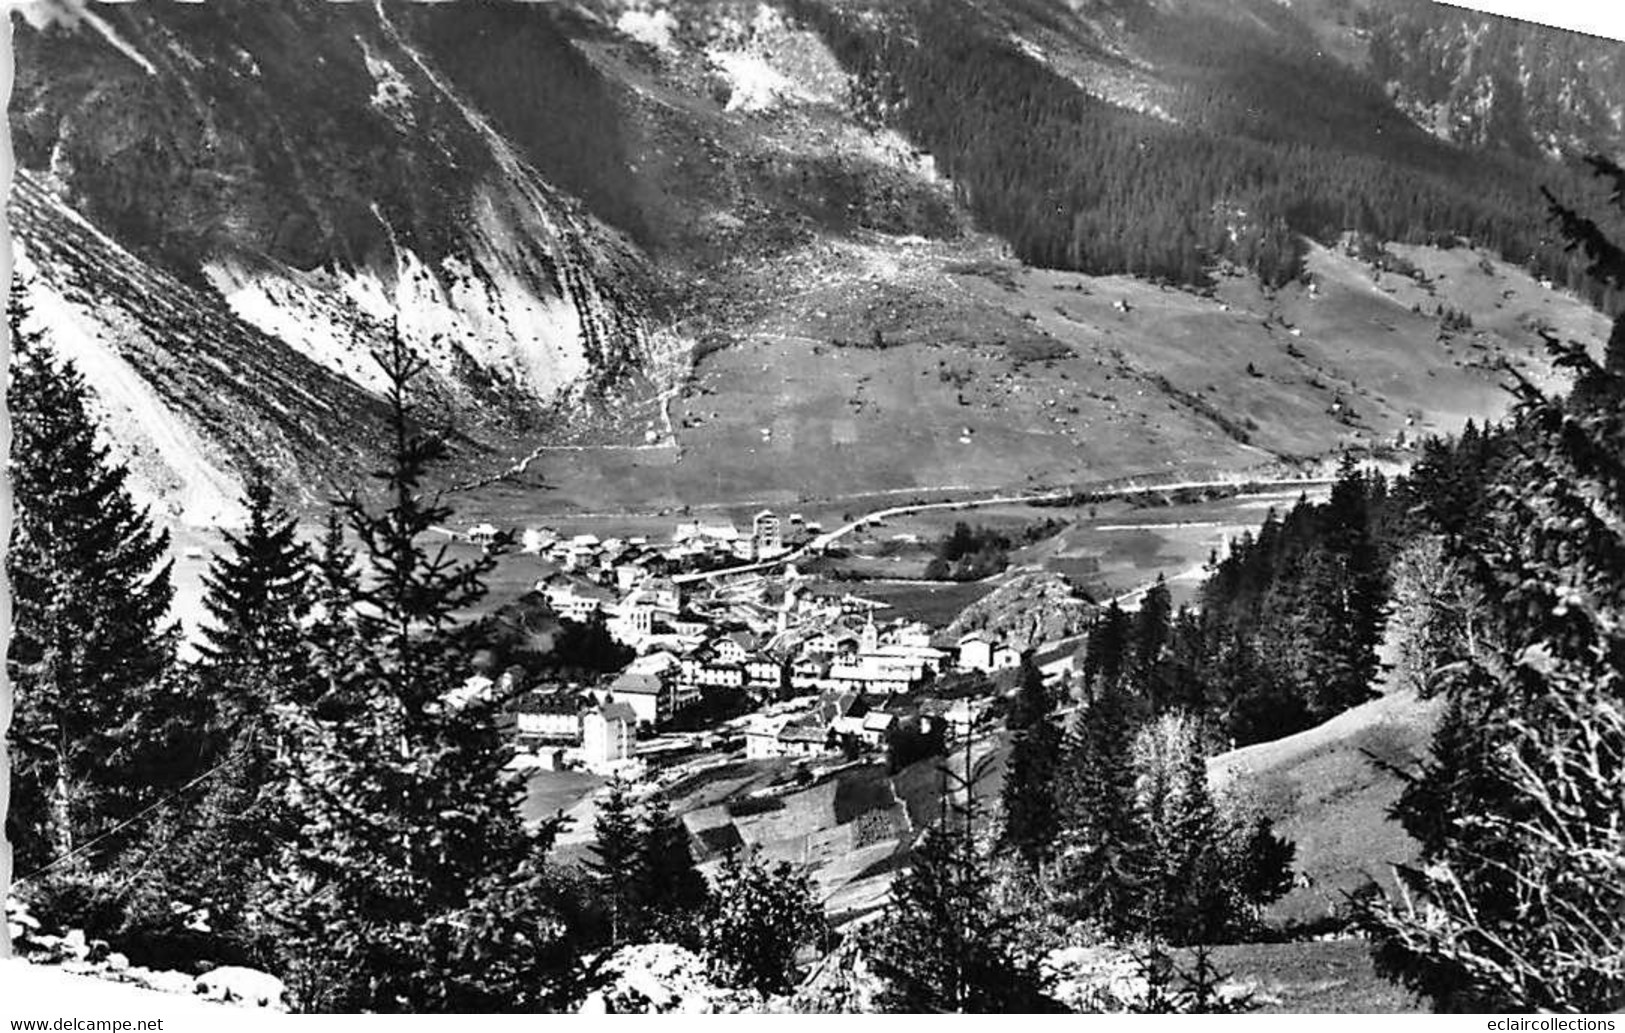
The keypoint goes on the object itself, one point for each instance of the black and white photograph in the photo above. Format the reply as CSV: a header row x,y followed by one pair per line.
x,y
813,507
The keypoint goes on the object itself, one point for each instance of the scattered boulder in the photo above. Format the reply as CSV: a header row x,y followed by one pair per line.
x,y
74,952
237,984
662,978
75,945
1095,979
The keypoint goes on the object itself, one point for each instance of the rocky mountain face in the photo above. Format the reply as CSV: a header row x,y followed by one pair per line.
x,y
1481,81
258,192
224,207
190,394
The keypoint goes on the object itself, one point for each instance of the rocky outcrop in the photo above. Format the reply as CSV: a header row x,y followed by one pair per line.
x,y
73,954
662,978
1030,607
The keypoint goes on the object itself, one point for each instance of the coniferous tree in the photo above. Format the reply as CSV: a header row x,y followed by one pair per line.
x,y
90,644
209,850
1153,628
1102,849
1109,648
1316,639
1518,904
1031,819
256,590
942,947
1184,887
332,637
1212,864
942,944
1259,703
254,653
674,893
614,863
1186,683
1358,589
411,884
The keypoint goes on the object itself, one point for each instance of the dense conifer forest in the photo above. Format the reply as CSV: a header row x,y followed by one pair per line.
x,y
1257,151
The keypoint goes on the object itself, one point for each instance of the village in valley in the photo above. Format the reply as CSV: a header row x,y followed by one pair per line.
x,y
734,657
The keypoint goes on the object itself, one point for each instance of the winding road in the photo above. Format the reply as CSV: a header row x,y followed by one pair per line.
x,y
822,542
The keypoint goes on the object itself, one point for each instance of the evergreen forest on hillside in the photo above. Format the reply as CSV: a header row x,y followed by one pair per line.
x,y
1264,144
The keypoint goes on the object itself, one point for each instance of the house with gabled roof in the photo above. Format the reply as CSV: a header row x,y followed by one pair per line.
x,y
765,674
975,651
805,736
647,694
762,736
878,727
733,647
607,734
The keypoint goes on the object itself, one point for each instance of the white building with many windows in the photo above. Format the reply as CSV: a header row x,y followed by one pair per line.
x,y
607,734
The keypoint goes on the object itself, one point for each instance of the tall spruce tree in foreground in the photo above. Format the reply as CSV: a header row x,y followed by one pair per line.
x,y
1519,901
90,643
1184,889
1102,842
1031,818
942,944
412,884
203,859
256,594
1210,865
614,862
674,893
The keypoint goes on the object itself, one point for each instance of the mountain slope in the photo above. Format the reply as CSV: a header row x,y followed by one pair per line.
x,y
1486,82
668,227
191,395
310,150
1326,790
